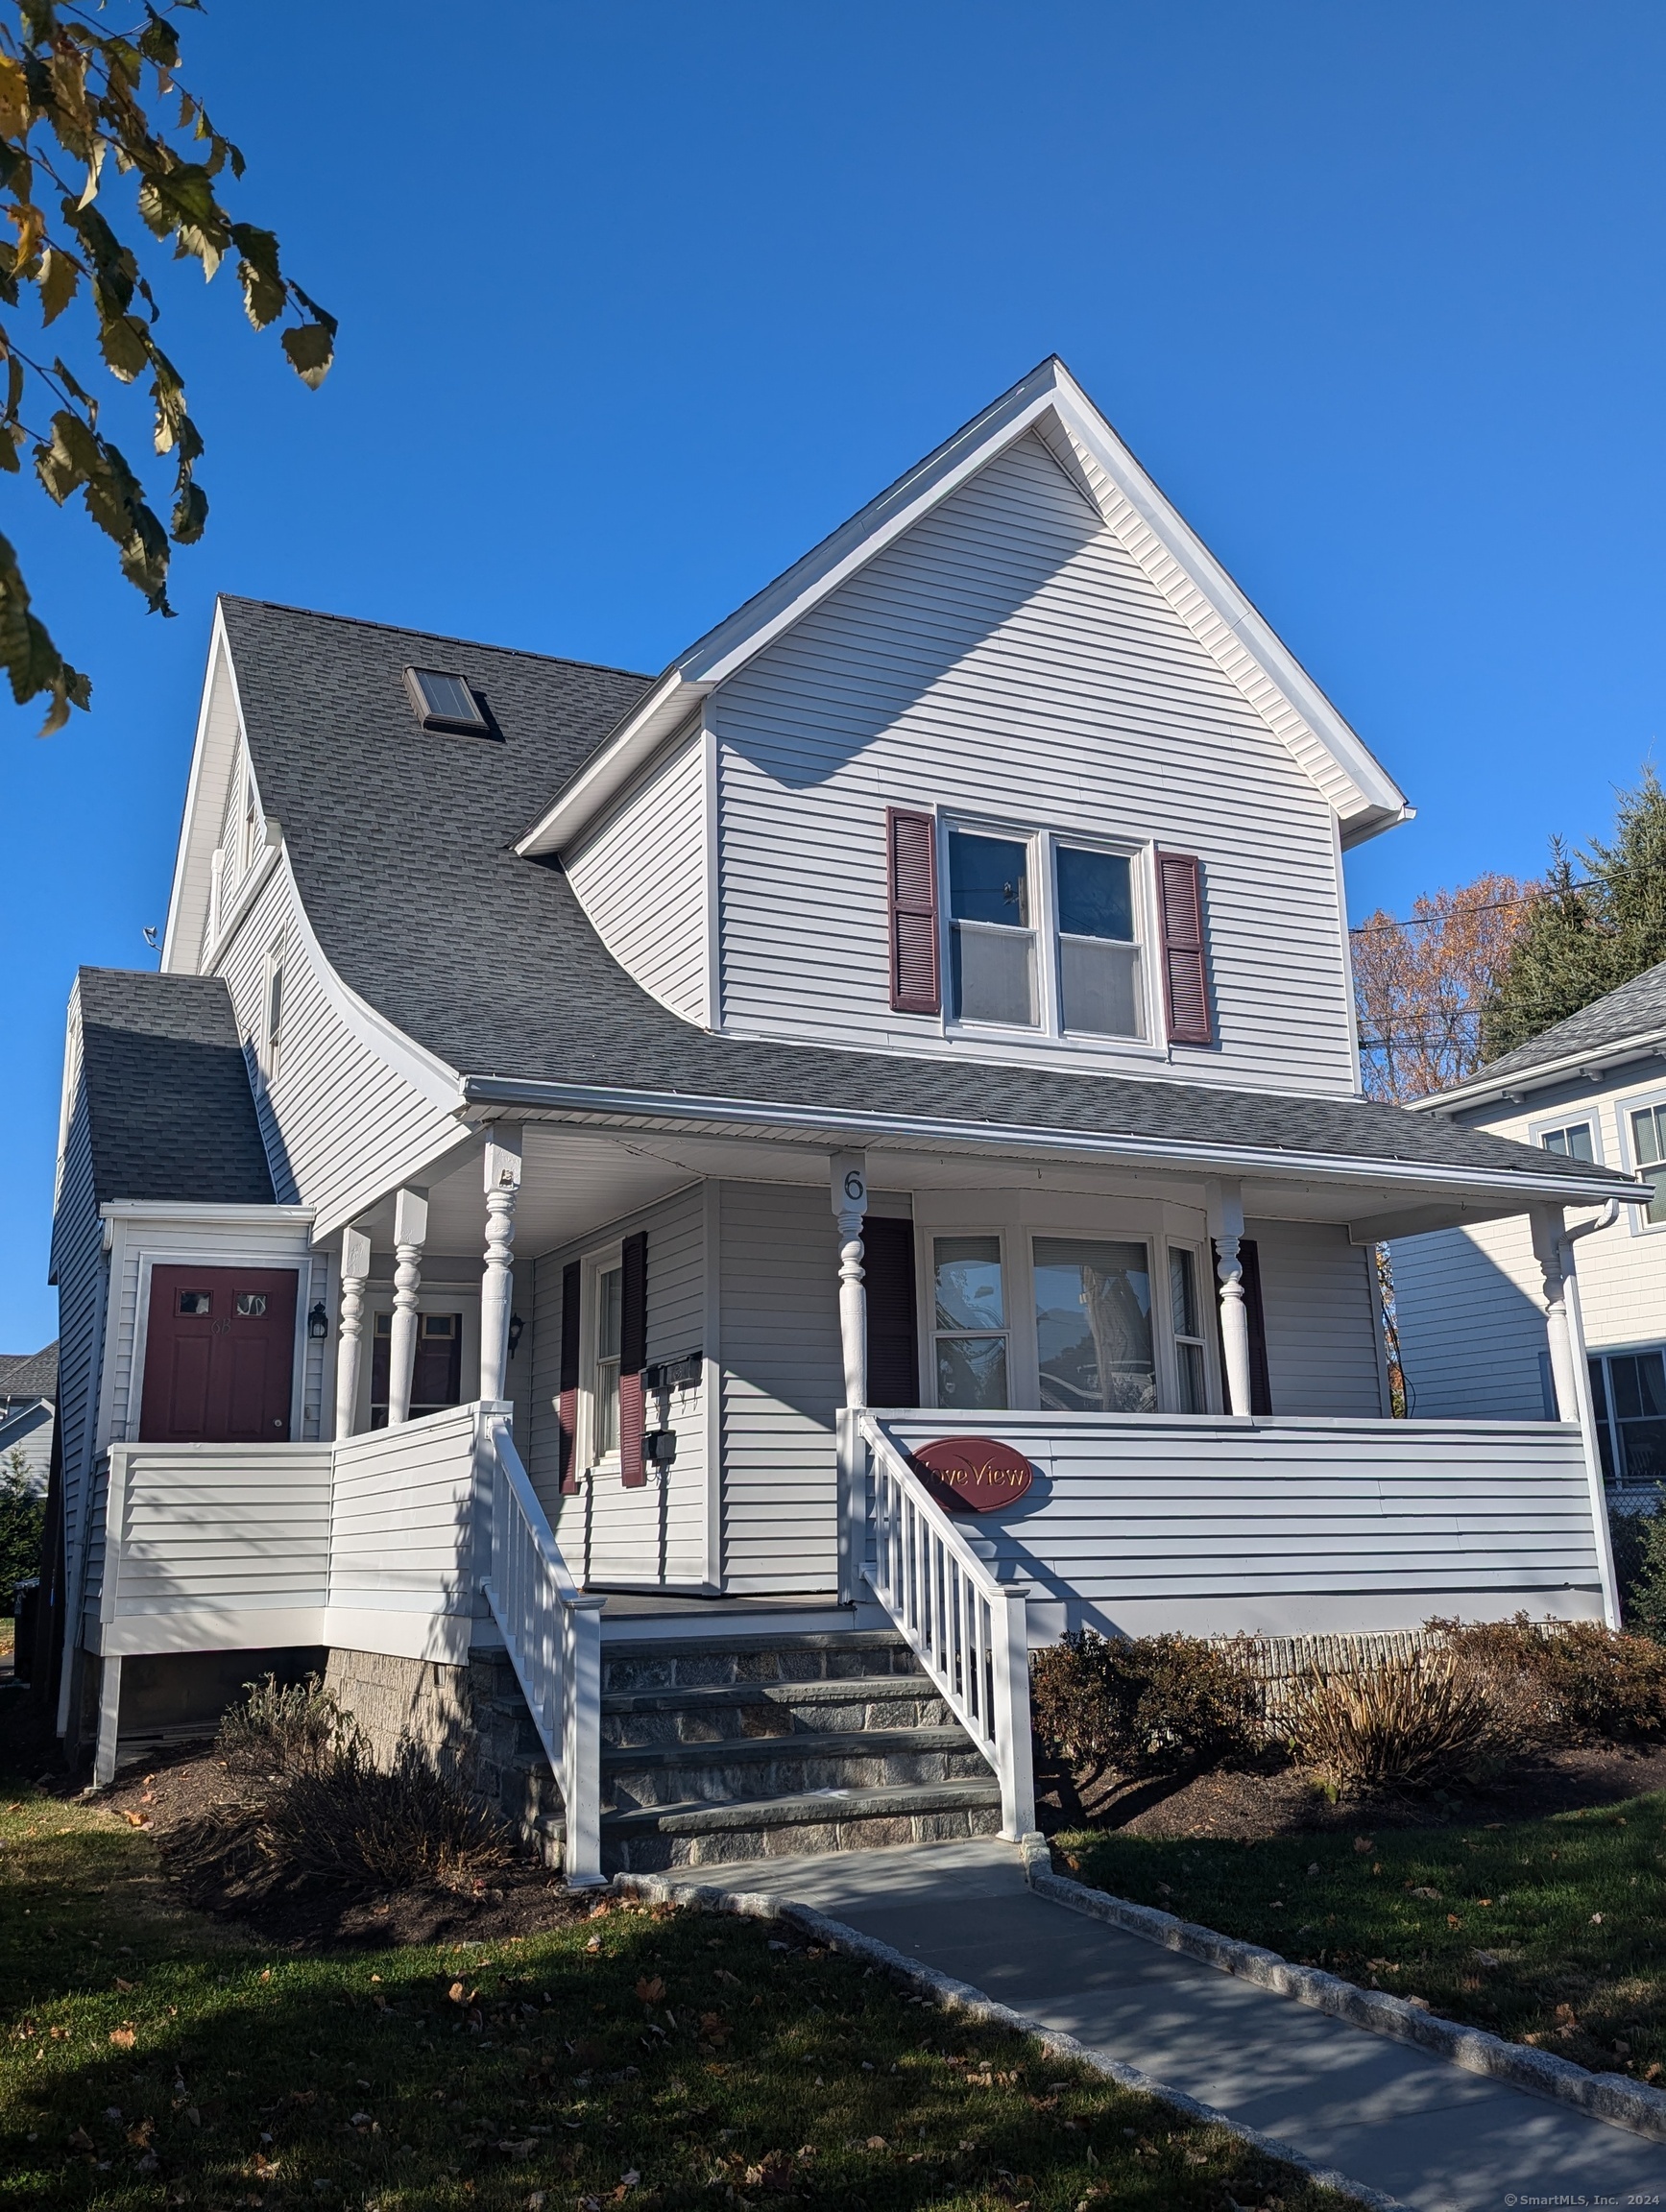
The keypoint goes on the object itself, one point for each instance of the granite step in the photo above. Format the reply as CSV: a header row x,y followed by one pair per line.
x,y
651,1840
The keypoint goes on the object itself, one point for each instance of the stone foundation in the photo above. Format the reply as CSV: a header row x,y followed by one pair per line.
x,y
398,1701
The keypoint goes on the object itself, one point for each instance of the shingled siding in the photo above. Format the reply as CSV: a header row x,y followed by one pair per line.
x,y
340,1124
653,1533
1008,657
641,879
783,1380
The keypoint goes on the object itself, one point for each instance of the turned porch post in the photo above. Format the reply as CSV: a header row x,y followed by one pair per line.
x,y
850,1203
502,1187
410,1235
1551,1258
849,1184
1226,1207
355,1267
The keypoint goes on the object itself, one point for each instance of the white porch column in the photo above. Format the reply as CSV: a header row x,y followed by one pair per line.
x,y
410,1235
850,1203
502,1187
355,1267
1583,1409
1553,1259
1226,1208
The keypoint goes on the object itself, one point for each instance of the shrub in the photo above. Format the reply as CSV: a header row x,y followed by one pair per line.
x,y
361,1827
1407,1724
1640,1569
299,1729
1579,1684
1143,1704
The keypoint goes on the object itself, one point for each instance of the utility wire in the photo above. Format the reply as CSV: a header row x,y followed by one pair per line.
x,y
1487,906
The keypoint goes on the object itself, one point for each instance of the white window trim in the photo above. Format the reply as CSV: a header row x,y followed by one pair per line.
x,y
1169,1343
593,1265
1623,1109
269,1043
1042,842
925,1307
1538,1129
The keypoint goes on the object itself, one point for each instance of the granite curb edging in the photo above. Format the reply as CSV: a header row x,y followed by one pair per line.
x,y
963,1996
1611,2097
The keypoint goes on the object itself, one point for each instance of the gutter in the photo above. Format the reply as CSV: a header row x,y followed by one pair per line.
x,y
502,1094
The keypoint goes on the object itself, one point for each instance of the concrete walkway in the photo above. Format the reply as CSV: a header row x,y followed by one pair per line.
x,y
1435,2137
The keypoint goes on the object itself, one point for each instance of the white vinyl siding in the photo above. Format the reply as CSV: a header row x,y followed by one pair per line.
x,y
1007,656
782,1383
1312,1527
623,1533
641,879
1320,1307
340,1124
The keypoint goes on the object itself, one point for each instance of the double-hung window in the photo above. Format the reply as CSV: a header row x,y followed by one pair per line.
x,y
1186,1318
969,1322
1628,1398
1045,934
1649,1150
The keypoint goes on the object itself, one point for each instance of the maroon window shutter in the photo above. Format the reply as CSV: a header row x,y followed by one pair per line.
x,y
567,1403
633,1356
911,843
1185,965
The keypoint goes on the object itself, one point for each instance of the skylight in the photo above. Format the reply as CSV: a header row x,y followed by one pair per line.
x,y
444,702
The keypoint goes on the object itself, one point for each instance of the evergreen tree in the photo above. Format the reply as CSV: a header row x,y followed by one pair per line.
x,y
1580,939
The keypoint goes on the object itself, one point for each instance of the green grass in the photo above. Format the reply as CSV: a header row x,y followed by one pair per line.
x,y
649,2059
1552,1931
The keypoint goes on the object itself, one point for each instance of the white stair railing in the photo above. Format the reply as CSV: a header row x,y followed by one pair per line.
x,y
552,1631
970,1631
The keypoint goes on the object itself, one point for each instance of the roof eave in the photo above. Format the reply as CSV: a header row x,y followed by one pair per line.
x,y
1488,1091
491,1096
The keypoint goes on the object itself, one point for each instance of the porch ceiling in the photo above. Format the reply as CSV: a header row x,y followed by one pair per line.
x,y
577,1179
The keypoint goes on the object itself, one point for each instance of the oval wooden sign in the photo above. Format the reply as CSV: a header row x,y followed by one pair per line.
x,y
980,1473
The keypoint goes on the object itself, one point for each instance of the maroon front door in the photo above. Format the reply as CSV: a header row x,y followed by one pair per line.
x,y
219,1355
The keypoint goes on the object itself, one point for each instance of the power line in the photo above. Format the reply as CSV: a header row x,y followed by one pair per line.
x,y
1487,906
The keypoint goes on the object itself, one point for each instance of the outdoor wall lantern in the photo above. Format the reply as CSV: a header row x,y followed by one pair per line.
x,y
515,1326
318,1323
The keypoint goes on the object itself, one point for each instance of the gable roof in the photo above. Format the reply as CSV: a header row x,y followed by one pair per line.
x,y
402,845
169,1107
1625,1023
1049,403
29,1375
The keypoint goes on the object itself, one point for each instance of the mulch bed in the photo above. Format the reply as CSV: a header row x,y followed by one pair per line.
x,y
1250,1805
182,1791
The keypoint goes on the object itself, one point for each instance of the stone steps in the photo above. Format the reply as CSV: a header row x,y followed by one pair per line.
x,y
746,1746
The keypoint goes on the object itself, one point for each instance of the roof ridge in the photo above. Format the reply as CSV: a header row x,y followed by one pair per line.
x,y
436,637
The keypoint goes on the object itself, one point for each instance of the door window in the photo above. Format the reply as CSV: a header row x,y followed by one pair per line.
x,y
436,1373
969,1322
1093,1326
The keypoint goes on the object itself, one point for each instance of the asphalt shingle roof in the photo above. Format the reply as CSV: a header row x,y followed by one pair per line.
x,y
402,845
29,1374
1632,1010
169,1106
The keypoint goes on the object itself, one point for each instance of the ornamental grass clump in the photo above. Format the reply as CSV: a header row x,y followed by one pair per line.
x,y
297,1729
1410,1723
360,1827
1144,1704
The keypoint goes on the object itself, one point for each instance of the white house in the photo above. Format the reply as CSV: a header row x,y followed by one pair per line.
x,y
590,1131
28,1395
1469,1300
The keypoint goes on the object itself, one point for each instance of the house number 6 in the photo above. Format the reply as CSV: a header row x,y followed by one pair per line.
x,y
856,1190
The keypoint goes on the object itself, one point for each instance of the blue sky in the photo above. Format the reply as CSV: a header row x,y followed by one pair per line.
x,y
639,299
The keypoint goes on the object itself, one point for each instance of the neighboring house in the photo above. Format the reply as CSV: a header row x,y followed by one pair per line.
x,y
572,1102
28,1405
1470,1300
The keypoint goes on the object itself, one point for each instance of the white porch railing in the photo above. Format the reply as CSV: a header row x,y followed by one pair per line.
x,y
552,1633
970,1631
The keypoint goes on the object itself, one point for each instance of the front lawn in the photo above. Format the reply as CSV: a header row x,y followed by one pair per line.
x,y
646,2058
1551,1930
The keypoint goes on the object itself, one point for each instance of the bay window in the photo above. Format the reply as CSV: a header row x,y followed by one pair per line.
x,y
969,1322
1093,1325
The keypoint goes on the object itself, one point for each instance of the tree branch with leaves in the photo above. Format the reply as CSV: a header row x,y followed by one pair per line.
x,y
83,103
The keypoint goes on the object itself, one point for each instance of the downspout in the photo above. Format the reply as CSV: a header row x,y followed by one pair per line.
x,y
1599,1496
